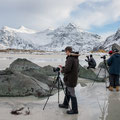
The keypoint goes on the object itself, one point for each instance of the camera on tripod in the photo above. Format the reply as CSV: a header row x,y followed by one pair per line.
x,y
57,69
103,57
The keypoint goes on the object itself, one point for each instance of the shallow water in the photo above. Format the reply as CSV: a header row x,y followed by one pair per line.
x,y
42,60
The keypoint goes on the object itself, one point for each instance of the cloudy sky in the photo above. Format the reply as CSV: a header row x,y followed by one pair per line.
x,y
98,16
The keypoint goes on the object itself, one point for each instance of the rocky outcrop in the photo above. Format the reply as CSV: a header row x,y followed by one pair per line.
x,y
17,84
31,69
24,78
91,74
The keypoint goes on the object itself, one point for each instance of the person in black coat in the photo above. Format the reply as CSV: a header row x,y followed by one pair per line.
x,y
70,71
91,62
114,70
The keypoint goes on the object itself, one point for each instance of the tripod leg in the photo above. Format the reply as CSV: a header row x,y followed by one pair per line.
x,y
49,96
58,89
105,79
96,76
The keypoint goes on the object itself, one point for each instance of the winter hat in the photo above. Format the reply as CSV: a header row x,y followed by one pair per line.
x,y
110,52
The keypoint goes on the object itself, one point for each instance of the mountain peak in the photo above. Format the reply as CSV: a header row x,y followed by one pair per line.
x,y
22,27
6,28
70,26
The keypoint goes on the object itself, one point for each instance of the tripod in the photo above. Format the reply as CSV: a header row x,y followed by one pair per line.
x,y
106,70
59,82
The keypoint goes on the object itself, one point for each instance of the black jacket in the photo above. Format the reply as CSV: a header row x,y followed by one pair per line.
x,y
71,70
91,62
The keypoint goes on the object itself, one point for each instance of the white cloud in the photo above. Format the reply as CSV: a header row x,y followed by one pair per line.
x,y
98,13
36,13
52,13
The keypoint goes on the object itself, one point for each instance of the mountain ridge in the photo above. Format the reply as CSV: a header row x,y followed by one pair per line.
x,y
52,40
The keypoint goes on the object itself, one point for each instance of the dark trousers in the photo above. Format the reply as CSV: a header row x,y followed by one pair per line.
x,y
70,94
114,80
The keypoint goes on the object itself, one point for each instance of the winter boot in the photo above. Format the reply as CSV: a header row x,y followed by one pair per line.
x,y
111,88
117,88
74,106
65,103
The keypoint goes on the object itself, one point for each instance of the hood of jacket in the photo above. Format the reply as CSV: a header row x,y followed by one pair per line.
x,y
73,54
117,55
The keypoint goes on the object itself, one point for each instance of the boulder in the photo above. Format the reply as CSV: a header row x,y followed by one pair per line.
x,y
17,84
49,70
89,74
23,64
24,78
39,76
116,46
28,68
101,65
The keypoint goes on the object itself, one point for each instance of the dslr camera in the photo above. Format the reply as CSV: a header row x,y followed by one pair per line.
x,y
56,69
103,57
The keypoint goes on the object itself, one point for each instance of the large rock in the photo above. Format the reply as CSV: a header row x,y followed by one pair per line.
x,y
26,78
116,46
23,64
39,76
89,74
33,70
17,84
101,65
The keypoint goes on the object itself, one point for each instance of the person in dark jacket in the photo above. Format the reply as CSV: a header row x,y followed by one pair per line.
x,y
91,62
70,72
110,54
114,70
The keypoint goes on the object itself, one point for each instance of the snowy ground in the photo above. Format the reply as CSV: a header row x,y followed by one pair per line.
x,y
95,102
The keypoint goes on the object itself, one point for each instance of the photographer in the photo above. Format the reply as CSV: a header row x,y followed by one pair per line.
x,y
70,78
114,70
91,62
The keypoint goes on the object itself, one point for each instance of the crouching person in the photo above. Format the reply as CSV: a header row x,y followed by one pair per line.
x,y
91,62
114,70
70,78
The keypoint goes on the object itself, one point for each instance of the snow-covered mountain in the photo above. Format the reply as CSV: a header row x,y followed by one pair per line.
x,y
22,38
72,35
49,40
115,38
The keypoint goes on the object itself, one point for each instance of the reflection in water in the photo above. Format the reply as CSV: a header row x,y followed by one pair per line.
x,y
44,60
114,106
6,58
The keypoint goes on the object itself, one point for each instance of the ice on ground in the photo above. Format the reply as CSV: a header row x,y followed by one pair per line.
x,y
95,103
